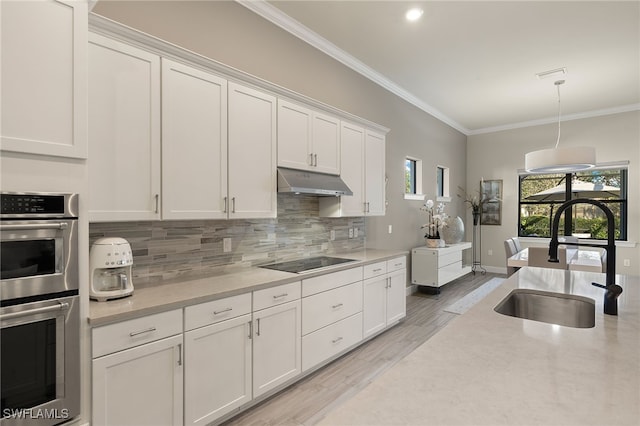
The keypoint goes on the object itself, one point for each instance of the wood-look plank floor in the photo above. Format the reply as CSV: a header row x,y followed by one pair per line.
x,y
310,399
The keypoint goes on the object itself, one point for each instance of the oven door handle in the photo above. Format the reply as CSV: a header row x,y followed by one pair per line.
x,y
33,226
61,306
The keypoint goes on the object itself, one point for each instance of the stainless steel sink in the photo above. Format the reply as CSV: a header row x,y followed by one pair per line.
x,y
553,308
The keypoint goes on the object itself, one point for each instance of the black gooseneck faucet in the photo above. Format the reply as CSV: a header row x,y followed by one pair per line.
x,y
612,290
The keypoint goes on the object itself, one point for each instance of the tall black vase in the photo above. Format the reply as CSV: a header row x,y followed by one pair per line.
x,y
476,217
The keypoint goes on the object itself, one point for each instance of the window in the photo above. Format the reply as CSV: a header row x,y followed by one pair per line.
x,y
540,196
410,176
413,179
442,184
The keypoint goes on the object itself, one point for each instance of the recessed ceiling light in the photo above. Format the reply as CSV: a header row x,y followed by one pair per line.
x,y
414,14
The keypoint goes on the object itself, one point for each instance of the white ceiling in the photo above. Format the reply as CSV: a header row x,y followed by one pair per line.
x,y
472,64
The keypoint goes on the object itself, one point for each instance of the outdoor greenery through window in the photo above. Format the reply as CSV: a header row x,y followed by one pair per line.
x,y
410,176
541,195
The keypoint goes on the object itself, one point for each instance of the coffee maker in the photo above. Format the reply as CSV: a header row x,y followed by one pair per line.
x,y
110,262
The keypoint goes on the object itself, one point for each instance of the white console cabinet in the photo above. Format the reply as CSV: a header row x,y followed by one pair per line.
x,y
434,267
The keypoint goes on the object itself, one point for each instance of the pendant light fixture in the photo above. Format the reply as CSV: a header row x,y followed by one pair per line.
x,y
560,159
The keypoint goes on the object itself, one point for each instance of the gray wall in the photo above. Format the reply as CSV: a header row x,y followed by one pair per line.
x,y
499,155
231,34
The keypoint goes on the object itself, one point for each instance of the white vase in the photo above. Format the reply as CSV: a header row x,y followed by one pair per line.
x,y
453,230
434,242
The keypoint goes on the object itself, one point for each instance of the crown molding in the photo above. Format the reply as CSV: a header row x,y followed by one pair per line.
x,y
277,17
554,120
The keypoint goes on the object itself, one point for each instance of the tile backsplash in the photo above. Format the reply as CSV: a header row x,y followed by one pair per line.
x,y
165,250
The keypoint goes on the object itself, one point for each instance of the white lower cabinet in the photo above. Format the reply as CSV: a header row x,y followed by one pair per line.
x,y
142,384
384,295
276,346
196,365
217,376
331,315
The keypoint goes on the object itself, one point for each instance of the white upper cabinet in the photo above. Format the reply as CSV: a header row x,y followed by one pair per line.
x,y
307,139
363,170
124,132
44,77
375,180
252,153
194,143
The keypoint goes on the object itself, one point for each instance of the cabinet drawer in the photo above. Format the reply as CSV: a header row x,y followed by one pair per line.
x,y
396,264
330,306
448,259
217,310
329,341
127,334
329,281
276,295
449,272
374,269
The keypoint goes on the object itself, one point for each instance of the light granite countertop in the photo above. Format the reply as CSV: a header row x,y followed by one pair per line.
x,y
485,368
224,282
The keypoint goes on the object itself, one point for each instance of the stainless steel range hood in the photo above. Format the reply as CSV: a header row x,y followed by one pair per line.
x,y
303,182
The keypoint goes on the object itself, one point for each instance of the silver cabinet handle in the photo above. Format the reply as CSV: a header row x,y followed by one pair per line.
x,y
368,207
377,270
136,333
250,329
315,160
60,306
157,198
222,311
336,340
225,205
280,296
179,353
233,204
311,159
339,305
258,327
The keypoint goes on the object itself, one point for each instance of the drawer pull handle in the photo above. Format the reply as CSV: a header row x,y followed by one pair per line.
x,y
279,296
222,311
339,305
336,340
377,270
137,333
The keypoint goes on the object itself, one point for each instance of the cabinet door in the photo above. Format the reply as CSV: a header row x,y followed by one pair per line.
x,y
44,77
375,174
326,143
294,136
352,149
252,153
194,143
218,370
124,132
139,386
374,307
276,346
396,296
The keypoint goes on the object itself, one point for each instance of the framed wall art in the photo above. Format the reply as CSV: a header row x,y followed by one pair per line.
x,y
491,213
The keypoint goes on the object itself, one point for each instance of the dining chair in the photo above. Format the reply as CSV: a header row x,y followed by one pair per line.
x,y
539,256
516,242
510,250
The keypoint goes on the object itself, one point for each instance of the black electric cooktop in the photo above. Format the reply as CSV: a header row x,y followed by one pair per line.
x,y
307,264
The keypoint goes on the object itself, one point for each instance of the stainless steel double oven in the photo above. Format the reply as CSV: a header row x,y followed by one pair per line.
x,y
39,309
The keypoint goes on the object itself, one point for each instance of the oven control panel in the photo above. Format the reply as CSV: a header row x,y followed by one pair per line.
x,y
37,205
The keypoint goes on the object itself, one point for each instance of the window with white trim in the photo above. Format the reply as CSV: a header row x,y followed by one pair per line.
x,y
413,179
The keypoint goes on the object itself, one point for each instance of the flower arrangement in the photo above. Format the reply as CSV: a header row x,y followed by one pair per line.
x,y
474,201
435,219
